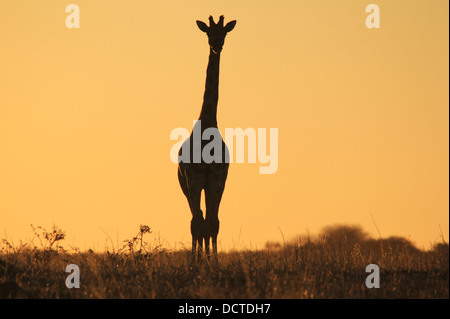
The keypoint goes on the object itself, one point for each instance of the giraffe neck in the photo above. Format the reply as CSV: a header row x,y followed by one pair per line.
x,y
208,115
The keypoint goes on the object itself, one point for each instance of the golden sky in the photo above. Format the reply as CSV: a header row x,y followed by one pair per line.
x,y
362,117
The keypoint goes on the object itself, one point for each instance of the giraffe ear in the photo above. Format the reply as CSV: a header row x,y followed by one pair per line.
x,y
230,25
202,26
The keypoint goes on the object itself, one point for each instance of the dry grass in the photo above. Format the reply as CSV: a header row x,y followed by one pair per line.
x,y
332,266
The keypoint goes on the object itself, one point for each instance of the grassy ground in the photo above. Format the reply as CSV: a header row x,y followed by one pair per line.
x,y
329,267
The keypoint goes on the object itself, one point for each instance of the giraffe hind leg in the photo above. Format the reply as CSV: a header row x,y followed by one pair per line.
x,y
213,196
193,194
197,230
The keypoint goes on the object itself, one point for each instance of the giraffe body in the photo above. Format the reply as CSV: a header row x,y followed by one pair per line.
x,y
195,175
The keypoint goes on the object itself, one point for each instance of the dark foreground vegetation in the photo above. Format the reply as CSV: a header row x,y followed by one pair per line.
x,y
330,266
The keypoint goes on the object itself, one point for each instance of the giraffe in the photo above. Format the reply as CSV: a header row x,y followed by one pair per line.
x,y
195,176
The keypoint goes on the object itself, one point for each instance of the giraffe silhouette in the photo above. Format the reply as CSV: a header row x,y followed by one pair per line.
x,y
194,174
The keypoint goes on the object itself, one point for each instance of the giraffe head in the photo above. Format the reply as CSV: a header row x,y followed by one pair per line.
x,y
216,32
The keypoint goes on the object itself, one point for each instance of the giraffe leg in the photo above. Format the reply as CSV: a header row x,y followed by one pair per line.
x,y
193,194
212,230
213,196
214,244
197,229
207,241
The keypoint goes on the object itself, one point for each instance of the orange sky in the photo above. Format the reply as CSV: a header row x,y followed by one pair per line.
x,y
362,117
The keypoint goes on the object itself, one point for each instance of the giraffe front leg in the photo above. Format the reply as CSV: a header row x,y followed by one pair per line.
x,y
214,244
197,231
212,230
194,246
200,239
214,239
207,241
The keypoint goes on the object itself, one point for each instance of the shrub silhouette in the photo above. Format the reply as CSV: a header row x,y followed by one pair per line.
x,y
344,237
